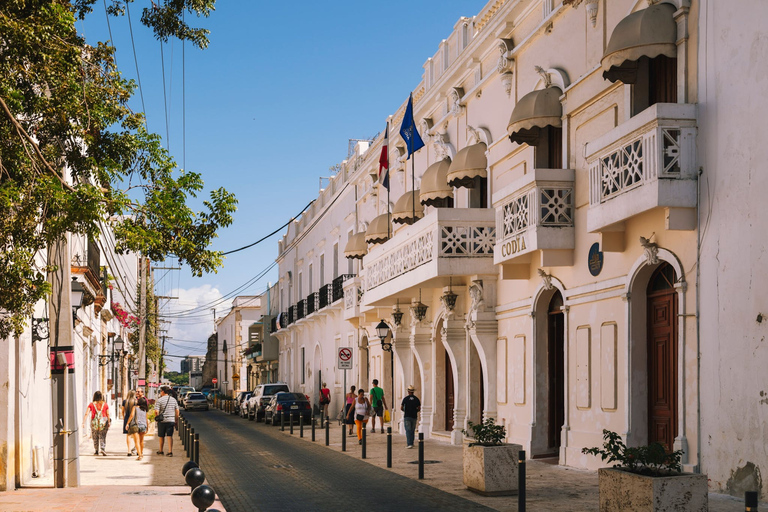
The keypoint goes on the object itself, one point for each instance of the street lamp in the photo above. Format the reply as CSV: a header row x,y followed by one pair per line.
x,y
382,330
77,297
397,315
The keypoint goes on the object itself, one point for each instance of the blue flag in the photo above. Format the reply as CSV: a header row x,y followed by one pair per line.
x,y
408,130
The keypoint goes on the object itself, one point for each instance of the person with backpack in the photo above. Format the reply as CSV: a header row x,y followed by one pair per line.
x,y
98,413
137,425
378,404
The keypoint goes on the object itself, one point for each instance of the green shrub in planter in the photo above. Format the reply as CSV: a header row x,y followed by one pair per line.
x,y
487,433
651,460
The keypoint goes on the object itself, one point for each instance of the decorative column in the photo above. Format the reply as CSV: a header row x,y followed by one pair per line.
x,y
421,345
454,338
482,329
402,350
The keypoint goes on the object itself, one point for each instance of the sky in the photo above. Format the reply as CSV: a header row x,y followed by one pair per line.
x,y
264,112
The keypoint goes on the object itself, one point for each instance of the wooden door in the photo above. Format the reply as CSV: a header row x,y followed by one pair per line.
x,y
662,358
556,371
449,394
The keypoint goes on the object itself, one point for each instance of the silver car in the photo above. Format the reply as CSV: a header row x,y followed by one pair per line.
x,y
195,400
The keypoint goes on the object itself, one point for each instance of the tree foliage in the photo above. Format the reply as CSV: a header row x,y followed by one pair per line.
x,y
74,155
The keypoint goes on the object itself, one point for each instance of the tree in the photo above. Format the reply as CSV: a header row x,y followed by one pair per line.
x,y
74,155
176,378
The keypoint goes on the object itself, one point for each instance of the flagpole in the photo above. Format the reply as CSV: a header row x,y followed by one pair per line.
x,y
389,220
413,168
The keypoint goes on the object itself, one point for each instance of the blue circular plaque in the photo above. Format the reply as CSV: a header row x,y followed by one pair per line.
x,y
595,259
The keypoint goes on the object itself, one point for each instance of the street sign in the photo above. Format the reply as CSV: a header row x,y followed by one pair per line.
x,y
345,358
215,380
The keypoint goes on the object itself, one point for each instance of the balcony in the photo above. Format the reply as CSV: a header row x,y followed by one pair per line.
x,y
326,296
644,163
446,242
301,309
535,213
273,325
338,287
352,298
311,303
292,314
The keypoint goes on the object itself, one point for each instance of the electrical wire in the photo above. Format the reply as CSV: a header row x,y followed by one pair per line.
x,y
136,62
269,235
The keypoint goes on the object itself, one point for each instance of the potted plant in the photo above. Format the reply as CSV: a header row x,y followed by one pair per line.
x,y
646,478
490,465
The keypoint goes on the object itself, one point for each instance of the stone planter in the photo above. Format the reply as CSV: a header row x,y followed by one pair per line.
x,y
491,470
628,492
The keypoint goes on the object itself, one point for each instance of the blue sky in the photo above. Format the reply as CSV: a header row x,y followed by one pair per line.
x,y
270,106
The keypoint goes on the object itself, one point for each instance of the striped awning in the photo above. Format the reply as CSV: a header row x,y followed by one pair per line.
x,y
378,230
356,246
404,208
535,110
468,164
435,190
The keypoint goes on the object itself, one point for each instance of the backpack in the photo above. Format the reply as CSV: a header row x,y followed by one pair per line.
x,y
99,421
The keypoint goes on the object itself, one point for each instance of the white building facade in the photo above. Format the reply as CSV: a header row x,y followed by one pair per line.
x,y
231,332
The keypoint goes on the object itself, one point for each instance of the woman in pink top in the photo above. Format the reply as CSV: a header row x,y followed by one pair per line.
x,y
350,400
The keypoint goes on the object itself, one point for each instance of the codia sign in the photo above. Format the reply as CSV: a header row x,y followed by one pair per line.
x,y
512,246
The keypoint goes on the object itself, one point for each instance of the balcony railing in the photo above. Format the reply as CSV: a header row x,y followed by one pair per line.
x,y
301,309
338,286
312,303
653,152
434,246
535,212
325,296
292,316
273,325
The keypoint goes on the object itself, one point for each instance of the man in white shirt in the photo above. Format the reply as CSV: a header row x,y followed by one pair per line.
x,y
166,408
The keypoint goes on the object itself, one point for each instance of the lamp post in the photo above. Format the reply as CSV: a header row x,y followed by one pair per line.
x,y
77,298
116,355
382,330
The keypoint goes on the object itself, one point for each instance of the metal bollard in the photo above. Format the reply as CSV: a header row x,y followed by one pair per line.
x,y
301,425
421,455
343,437
364,445
190,452
521,481
282,421
290,417
389,447
196,449
183,434
327,433
750,501
313,427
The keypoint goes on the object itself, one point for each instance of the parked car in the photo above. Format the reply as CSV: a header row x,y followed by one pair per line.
x,y
239,400
283,404
260,397
195,400
243,409
182,396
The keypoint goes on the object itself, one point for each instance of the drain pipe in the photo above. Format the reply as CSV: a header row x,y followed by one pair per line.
x,y
698,320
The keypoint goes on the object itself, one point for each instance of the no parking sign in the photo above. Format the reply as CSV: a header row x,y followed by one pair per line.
x,y
345,358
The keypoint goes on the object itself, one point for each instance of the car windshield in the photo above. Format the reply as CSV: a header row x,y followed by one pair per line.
x,y
283,397
271,390
195,395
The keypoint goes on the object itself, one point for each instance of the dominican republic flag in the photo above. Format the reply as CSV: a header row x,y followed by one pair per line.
x,y
408,130
384,160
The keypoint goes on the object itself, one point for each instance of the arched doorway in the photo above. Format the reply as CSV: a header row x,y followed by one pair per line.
x,y
555,371
662,356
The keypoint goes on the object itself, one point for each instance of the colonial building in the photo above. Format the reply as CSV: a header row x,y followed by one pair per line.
x,y
539,261
231,342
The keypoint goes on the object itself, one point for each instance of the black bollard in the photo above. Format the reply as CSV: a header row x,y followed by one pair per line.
x,y
190,453
750,501
343,437
290,417
364,445
203,497
313,427
301,425
282,422
389,447
196,449
184,435
194,477
421,455
327,433
521,481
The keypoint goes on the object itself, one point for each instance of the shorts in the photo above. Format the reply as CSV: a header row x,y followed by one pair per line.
x,y
378,411
142,429
133,429
165,429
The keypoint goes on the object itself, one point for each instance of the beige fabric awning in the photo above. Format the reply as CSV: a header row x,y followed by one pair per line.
x,y
378,230
356,246
435,190
469,164
646,33
535,110
404,208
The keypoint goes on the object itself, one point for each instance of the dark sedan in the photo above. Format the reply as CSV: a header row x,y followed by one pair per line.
x,y
285,405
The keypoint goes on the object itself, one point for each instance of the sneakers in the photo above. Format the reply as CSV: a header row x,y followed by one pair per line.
x,y
409,446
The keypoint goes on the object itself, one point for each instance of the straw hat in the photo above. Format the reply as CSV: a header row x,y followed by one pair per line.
x,y
411,388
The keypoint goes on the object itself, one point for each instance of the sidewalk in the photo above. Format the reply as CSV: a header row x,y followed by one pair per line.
x,y
115,483
548,486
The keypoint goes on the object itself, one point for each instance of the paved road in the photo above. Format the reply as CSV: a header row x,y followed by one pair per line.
x,y
253,467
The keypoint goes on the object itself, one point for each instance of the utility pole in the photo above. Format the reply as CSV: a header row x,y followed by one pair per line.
x,y
143,326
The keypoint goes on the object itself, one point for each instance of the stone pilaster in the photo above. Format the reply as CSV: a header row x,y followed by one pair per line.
x,y
454,339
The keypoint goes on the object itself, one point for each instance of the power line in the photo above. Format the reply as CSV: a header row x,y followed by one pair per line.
x,y
272,233
136,61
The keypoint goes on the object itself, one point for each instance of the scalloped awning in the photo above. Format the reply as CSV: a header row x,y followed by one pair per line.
x,y
468,164
646,33
356,246
404,208
378,230
435,190
535,110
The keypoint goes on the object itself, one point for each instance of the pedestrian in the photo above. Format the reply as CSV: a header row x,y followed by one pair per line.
x,y
137,425
98,414
411,406
378,404
361,410
325,399
350,399
128,403
167,414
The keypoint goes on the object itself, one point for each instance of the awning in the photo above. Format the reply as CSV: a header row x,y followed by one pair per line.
x,y
469,164
378,230
356,246
646,33
435,190
404,208
535,110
